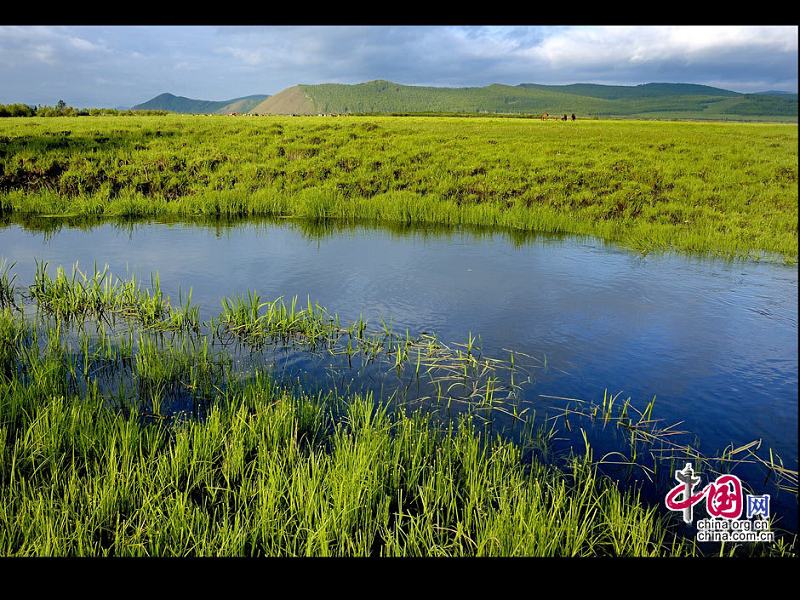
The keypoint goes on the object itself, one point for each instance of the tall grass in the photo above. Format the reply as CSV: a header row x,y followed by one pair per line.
x,y
271,473
726,189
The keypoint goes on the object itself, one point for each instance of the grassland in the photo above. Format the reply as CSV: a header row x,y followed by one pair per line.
x,y
719,188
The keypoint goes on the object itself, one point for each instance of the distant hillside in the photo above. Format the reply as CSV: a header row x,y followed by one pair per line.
x,y
776,93
388,97
293,100
645,90
652,100
179,104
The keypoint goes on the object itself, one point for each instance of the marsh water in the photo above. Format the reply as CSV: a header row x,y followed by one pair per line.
x,y
714,341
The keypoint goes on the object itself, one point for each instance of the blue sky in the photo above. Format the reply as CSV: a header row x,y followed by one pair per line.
x,y
122,66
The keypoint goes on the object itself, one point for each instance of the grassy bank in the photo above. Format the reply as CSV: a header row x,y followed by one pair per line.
x,y
269,472
720,188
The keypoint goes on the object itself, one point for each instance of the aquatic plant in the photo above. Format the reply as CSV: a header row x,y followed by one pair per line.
x,y
7,288
268,472
102,296
253,321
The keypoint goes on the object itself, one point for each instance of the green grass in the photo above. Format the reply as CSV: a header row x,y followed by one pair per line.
x,y
711,188
244,318
268,472
100,296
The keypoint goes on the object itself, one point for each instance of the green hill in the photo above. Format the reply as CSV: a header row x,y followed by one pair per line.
x,y
652,100
180,104
645,90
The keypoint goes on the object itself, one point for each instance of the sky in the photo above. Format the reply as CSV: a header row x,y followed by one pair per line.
x,y
119,66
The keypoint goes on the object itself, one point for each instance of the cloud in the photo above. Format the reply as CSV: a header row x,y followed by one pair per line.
x,y
82,44
44,44
641,45
42,64
246,55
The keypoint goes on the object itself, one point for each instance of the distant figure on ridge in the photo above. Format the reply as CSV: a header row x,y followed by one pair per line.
x,y
544,116
564,118
573,116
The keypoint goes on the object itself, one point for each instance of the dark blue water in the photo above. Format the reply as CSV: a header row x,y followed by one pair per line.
x,y
714,341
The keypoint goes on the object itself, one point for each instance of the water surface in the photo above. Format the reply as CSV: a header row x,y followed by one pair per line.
x,y
714,341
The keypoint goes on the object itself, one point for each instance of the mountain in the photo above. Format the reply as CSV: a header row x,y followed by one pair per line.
x,y
179,104
293,100
644,90
650,100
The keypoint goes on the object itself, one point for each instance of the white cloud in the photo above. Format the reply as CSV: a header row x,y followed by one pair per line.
x,y
49,45
43,53
248,56
82,44
612,46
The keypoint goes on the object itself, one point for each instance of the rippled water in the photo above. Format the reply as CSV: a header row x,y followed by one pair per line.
x,y
714,341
